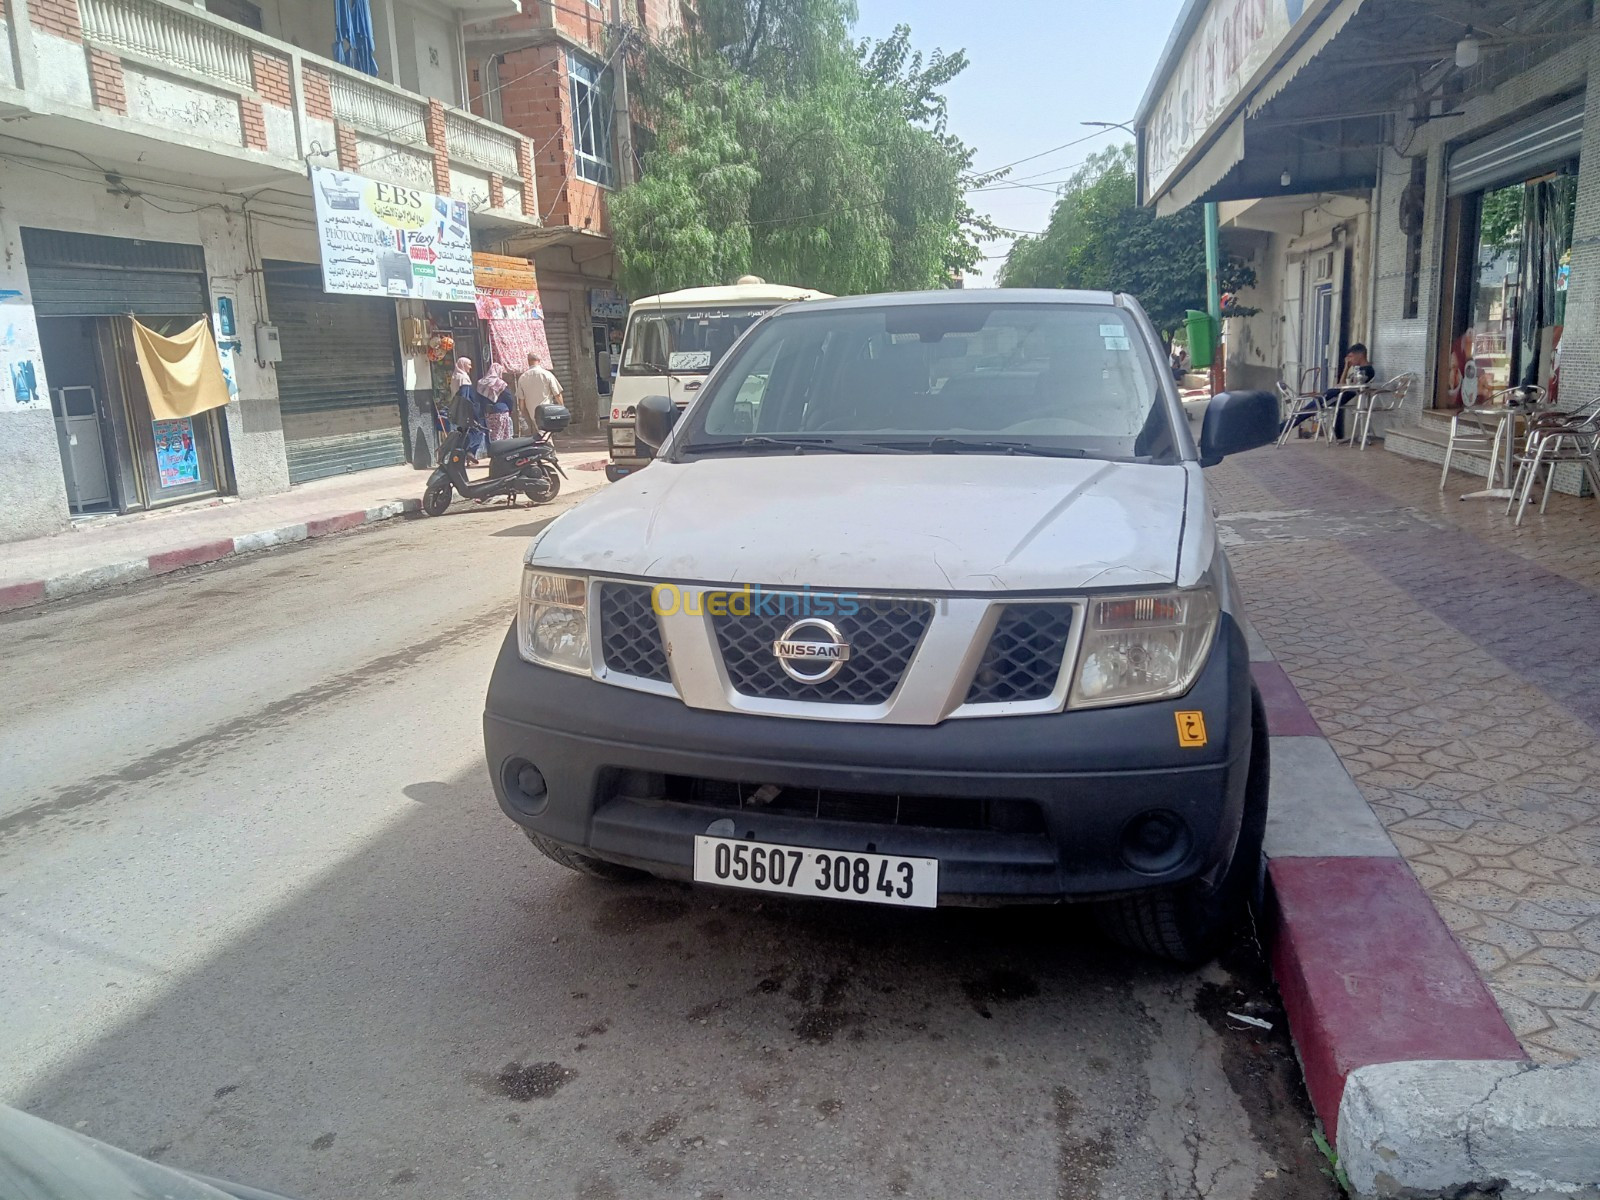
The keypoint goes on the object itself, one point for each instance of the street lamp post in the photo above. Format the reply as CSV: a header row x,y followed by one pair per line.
x,y
1213,236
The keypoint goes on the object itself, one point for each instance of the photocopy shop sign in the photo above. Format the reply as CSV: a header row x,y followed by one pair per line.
x,y
1230,44
383,239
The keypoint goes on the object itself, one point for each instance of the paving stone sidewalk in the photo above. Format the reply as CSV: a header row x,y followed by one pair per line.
x,y
1454,663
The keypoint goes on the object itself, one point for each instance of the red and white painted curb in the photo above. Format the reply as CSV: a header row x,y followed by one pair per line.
x,y
1405,1051
37,591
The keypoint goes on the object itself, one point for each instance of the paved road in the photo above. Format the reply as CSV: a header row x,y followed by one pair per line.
x,y
259,916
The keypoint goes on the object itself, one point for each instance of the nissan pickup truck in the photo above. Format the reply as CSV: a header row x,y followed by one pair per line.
x,y
922,603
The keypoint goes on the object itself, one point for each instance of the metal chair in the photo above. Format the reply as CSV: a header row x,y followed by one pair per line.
x,y
1469,429
1555,438
1386,399
1300,407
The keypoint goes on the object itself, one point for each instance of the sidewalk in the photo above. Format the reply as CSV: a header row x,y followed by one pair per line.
x,y
1449,660
111,550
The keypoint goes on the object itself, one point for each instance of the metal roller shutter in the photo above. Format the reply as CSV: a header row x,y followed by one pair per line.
x,y
1543,141
85,275
338,383
558,331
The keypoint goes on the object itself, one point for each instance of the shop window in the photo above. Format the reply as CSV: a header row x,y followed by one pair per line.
x,y
1511,295
591,120
1413,212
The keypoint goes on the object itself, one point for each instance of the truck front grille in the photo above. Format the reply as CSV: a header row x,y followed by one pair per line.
x,y
1023,658
630,635
883,635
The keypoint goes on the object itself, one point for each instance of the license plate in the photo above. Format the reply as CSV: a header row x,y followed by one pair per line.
x,y
622,437
805,871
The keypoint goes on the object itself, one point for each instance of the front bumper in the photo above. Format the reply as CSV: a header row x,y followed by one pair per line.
x,y
1065,786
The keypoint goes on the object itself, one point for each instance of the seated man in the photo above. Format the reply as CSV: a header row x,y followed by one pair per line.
x,y
1357,370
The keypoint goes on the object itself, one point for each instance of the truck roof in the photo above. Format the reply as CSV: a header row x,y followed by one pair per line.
x,y
745,293
974,296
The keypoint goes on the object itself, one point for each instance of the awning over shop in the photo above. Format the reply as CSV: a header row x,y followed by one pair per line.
x,y
1350,77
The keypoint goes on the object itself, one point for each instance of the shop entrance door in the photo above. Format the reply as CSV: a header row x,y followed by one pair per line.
x,y
1322,329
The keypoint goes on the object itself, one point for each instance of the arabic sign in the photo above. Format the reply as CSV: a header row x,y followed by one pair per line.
x,y
607,303
383,239
508,306
1233,41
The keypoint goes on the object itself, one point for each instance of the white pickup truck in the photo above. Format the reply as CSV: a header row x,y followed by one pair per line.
x,y
921,603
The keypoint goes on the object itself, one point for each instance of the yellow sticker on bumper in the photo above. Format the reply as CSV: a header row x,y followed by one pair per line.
x,y
1191,728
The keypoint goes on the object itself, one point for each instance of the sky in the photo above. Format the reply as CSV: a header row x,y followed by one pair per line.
x,y
1039,68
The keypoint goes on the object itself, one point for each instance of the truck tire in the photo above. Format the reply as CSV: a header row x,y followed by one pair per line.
x,y
1189,924
582,863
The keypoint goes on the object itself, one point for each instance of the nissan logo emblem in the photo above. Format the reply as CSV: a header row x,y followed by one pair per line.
x,y
811,651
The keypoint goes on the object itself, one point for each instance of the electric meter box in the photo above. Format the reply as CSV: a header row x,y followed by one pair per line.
x,y
269,349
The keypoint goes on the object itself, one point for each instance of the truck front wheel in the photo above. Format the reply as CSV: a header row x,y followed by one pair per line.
x,y
1189,924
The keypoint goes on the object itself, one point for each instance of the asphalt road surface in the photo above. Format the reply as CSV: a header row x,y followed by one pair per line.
x,y
260,917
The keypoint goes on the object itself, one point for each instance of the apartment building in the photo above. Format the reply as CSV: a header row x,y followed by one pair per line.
x,y
154,165
551,74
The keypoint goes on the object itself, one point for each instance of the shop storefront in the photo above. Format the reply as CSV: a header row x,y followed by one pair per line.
x,y
338,383
117,454
608,313
1508,257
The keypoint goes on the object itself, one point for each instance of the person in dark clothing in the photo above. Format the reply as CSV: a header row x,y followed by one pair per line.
x,y
1358,370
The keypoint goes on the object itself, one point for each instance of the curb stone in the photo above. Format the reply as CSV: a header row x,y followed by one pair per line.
x,y
1509,1129
1411,1067
26,593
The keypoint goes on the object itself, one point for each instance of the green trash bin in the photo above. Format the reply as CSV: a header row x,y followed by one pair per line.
x,y
1202,339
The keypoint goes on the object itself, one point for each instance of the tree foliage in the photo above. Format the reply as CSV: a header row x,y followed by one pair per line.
x,y
1100,238
785,149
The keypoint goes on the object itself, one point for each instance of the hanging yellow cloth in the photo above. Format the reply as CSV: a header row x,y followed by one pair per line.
x,y
183,374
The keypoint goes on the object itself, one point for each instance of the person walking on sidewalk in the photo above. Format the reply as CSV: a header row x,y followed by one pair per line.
x,y
535,386
497,403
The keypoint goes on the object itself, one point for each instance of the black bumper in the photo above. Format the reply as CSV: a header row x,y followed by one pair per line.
x,y
615,760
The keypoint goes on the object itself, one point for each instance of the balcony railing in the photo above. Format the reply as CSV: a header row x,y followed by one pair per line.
x,y
378,108
158,32
481,142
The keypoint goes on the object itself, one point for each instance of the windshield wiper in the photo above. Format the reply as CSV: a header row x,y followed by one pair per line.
x,y
800,445
951,445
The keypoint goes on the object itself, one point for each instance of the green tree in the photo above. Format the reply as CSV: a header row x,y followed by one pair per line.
x,y
1100,238
785,149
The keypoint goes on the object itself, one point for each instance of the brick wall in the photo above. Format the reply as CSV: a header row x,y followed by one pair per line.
x,y
583,22
105,82
253,123
530,195
319,94
345,140
438,140
271,75
535,102
59,17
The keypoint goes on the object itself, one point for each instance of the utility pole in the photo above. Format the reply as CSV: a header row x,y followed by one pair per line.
x,y
622,120
1219,371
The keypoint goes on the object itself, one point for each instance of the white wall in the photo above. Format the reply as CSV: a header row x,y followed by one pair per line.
x,y
32,492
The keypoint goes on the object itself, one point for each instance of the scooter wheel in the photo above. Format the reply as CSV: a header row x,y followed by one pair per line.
x,y
544,491
437,498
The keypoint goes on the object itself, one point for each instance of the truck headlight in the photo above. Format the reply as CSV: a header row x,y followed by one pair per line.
x,y
1144,646
553,621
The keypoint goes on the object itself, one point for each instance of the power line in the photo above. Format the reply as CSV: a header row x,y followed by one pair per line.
x,y
1017,162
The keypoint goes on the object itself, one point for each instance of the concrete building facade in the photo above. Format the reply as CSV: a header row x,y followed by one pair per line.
x,y
1414,176
551,74
153,165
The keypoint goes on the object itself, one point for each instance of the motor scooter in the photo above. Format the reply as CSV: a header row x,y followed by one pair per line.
x,y
525,466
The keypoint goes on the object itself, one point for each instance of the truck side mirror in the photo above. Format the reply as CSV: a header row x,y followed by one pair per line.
x,y
1236,422
654,420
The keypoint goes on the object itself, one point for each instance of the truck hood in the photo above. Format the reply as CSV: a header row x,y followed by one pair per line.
x,y
915,522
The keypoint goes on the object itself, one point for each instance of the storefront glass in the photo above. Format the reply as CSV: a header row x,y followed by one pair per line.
x,y
1511,301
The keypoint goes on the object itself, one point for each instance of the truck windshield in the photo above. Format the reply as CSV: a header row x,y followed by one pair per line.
x,y
683,341
953,378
